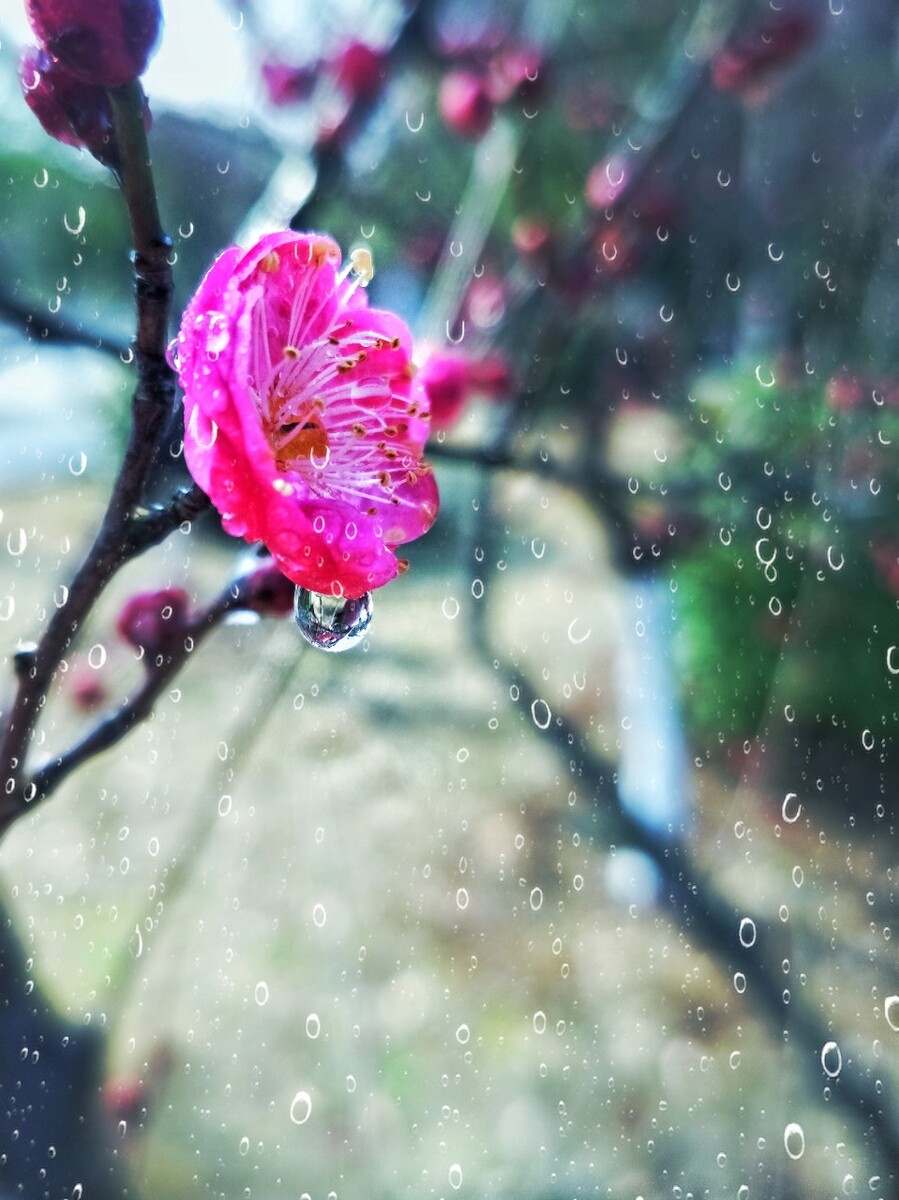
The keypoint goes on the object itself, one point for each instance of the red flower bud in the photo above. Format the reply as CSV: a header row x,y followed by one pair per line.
x,y
752,55
286,85
358,69
103,42
75,113
606,182
266,591
513,70
464,104
155,622
86,687
530,237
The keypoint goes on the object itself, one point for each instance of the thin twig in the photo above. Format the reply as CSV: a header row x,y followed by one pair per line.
x,y
113,728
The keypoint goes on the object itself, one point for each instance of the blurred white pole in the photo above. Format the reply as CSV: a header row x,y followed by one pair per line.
x,y
652,771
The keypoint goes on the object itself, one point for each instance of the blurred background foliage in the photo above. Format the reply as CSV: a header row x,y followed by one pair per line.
x,y
465,914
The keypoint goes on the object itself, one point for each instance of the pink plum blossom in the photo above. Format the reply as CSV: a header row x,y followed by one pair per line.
x,y
304,423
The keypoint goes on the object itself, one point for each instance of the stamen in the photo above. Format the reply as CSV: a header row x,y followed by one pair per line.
x,y
363,265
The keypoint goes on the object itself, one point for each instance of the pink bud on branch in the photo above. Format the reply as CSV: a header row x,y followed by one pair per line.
x,y
102,42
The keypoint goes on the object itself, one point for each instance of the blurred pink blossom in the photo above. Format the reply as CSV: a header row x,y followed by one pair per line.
x,y
464,104
451,378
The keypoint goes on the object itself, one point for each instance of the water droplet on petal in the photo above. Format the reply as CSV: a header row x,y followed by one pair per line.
x,y
331,622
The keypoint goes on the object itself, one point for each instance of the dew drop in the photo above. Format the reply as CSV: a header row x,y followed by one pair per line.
x,y
747,932
80,219
313,1026
450,608
891,1012
541,713
455,1177
831,1059
16,541
261,994
574,638
301,1108
463,1033
78,464
332,623
794,1140
96,656
319,916
791,808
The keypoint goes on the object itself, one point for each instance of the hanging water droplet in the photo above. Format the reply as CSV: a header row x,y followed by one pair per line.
x,y
331,622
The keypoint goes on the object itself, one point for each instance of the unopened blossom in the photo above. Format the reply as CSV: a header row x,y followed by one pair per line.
x,y
304,423
76,113
155,622
754,54
265,590
285,84
358,70
104,42
606,181
464,104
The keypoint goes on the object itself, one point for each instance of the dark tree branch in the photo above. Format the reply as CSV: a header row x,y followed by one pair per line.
x,y
151,406
159,674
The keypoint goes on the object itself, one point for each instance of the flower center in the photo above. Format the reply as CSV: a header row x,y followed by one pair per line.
x,y
294,442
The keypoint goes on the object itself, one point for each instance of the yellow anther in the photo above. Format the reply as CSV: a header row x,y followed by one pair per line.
x,y
362,264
